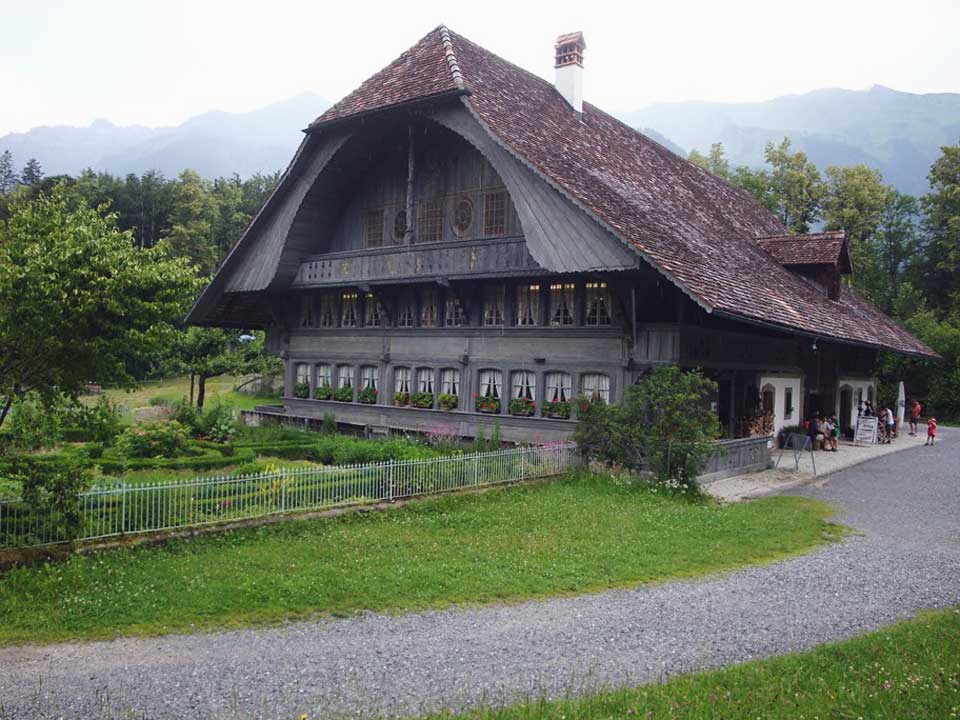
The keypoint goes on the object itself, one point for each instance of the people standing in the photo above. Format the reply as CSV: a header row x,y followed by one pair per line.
x,y
915,417
931,431
834,425
891,423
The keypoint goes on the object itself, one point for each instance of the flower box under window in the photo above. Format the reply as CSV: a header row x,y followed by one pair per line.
x,y
301,390
447,401
324,392
422,400
558,410
344,394
487,404
522,407
368,396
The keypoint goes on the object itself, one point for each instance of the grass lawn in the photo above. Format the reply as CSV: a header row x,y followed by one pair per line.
x,y
910,670
579,534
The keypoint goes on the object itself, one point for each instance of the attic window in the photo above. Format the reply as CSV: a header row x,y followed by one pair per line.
x,y
400,226
598,304
373,228
348,309
495,214
430,221
462,215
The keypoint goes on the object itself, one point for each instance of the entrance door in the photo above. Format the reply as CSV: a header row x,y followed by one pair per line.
x,y
846,409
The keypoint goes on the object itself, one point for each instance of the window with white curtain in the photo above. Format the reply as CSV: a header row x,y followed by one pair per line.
x,y
349,317
595,386
450,381
369,377
401,379
344,376
307,319
528,305
303,373
372,311
524,384
453,314
324,375
559,387
425,380
327,317
428,308
406,312
598,304
493,305
491,382
561,304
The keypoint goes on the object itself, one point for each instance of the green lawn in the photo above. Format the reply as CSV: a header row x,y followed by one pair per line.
x,y
908,671
579,534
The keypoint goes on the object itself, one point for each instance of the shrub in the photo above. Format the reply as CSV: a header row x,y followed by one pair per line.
x,y
324,392
443,438
344,394
186,414
422,400
557,409
50,490
301,390
329,424
522,406
401,398
34,424
368,396
447,402
98,423
154,439
158,401
94,450
486,404
218,423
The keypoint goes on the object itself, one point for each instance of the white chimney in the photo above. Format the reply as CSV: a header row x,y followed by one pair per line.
x,y
569,67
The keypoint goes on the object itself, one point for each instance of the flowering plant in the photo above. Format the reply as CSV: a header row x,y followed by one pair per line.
x,y
422,400
522,406
324,392
368,396
486,404
559,409
401,398
344,394
447,401
301,390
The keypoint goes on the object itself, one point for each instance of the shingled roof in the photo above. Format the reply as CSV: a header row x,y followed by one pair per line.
x,y
699,231
825,248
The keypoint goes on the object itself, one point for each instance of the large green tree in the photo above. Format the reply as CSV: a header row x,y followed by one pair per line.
x,y
79,302
796,184
31,175
939,275
8,173
192,222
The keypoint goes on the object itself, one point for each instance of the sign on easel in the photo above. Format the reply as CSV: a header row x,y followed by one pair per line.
x,y
866,431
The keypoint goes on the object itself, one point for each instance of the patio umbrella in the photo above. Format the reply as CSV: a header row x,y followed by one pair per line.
x,y
901,404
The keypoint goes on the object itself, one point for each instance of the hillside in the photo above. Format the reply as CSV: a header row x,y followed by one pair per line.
x,y
899,133
214,143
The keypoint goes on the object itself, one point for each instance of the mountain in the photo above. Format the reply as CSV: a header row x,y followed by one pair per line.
x,y
898,133
214,144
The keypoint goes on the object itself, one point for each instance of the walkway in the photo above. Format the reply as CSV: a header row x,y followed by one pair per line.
x,y
907,507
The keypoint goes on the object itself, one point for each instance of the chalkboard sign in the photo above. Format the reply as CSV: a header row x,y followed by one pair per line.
x,y
866,430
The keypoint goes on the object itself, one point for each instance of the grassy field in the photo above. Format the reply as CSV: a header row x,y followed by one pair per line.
x,y
908,671
579,534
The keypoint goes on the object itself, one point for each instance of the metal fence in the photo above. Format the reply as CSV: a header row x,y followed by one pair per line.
x,y
120,508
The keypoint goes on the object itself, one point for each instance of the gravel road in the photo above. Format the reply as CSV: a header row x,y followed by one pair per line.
x,y
906,558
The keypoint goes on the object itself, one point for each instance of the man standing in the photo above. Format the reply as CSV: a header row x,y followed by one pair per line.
x,y
914,417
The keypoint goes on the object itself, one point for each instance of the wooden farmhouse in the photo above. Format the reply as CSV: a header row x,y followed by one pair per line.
x,y
460,243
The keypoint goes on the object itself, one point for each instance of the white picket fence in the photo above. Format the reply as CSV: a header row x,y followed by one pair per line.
x,y
120,509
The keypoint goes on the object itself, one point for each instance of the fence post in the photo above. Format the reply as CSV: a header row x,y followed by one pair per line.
x,y
123,508
283,491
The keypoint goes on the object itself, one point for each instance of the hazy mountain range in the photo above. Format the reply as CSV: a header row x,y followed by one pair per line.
x,y
897,132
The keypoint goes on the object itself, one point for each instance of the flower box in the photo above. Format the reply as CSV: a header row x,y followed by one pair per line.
x,y
558,410
344,394
422,400
301,390
486,404
325,392
368,396
522,407
447,402
401,399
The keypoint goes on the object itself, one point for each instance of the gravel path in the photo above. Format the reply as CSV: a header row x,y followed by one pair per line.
x,y
907,507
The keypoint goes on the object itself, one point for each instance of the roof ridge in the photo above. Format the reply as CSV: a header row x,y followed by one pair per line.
x,y
797,236
451,56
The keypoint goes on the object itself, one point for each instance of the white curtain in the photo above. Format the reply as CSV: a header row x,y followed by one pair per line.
x,y
493,305
401,380
450,381
425,380
324,375
369,377
561,304
524,384
344,376
490,382
559,387
303,373
528,304
596,386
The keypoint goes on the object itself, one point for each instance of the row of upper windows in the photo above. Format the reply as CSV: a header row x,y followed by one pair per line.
x,y
558,384
388,225
425,309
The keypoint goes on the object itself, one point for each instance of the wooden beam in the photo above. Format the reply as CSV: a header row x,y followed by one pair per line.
x,y
408,235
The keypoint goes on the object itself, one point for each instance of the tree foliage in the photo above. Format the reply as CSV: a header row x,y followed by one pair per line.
x,y
78,300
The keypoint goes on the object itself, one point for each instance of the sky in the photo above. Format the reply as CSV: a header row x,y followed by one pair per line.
x,y
158,63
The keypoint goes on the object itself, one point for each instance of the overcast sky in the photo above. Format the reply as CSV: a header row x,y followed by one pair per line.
x,y
158,63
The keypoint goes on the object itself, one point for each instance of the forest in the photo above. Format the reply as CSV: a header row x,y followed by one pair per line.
x,y
158,240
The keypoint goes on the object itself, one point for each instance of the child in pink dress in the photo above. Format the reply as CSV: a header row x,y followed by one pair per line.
x,y
931,431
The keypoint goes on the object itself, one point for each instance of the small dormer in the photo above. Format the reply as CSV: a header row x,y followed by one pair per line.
x,y
820,258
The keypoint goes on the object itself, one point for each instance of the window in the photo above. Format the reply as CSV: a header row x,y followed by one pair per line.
x,y
450,381
524,384
561,304
598,304
425,380
324,375
559,387
430,221
348,309
428,308
401,380
327,317
372,311
373,228
788,403
399,227
493,305
491,382
344,376
528,305
303,373
595,386
462,215
369,377
406,312
453,311
307,319
495,213
768,399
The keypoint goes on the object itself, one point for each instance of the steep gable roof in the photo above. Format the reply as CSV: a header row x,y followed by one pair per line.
x,y
701,232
